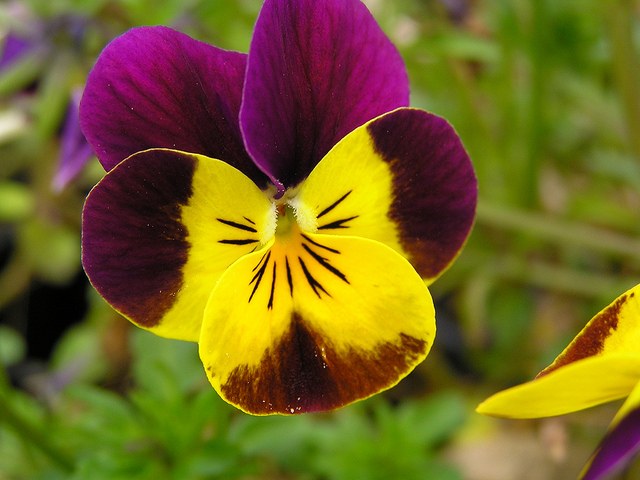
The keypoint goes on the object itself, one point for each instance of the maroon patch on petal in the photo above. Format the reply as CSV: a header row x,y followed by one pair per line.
x,y
434,186
590,342
303,373
133,242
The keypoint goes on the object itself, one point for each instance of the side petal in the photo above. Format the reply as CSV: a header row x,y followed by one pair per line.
x,y
154,87
615,329
160,228
317,69
579,385
314,325
621,443
403,179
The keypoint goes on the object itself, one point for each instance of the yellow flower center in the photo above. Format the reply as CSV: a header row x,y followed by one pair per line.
x,y
289,218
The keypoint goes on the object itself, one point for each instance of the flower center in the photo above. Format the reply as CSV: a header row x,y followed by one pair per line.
x,y
290,218
286,221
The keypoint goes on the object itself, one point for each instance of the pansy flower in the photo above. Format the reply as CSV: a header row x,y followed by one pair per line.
x,y
600,365
282,208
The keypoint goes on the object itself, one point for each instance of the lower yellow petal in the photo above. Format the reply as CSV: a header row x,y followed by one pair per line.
x,y
314,323
631,403
579,385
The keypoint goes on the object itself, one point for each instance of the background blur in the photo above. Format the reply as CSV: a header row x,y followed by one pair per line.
x,y
545,96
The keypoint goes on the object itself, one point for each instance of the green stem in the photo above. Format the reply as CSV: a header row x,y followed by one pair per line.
x,y
559,230
481,145
28,432
562,279
538,53
626,66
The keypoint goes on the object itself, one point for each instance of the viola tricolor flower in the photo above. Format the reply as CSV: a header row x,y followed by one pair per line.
x,y
600,365
281,208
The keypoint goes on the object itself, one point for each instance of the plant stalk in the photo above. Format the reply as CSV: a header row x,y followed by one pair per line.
x,y
559,230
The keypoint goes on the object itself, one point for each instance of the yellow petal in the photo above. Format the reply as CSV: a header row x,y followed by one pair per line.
x,y
616,329
315,322
576,386
160,229
631,403
402,179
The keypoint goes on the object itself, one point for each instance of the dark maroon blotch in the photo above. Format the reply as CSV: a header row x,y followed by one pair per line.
x,y
434,186
591,341
304,373
135,260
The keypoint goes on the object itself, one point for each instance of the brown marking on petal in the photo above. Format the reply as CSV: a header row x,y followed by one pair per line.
x,y
434,187
257,277
591,340
338,224
134,243
303,372
289,277
239,226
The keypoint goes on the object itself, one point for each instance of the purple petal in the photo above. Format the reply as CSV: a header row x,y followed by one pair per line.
x,y
617,448
317,69
155,87
75,152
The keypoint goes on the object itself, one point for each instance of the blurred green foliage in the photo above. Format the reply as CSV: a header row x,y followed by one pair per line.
x,y
545,97
170,425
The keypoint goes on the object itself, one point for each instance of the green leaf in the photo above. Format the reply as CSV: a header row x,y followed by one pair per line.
x,y
21,74
169,368
16,201
52,250
12,346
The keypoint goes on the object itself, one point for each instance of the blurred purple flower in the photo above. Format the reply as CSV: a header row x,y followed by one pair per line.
x,y
75,152
14,48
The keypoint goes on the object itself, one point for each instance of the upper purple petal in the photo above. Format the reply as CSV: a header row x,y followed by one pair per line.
x,y
617,448
156,87
317,69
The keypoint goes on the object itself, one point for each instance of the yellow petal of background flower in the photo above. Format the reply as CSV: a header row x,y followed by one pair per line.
x,y
313,323
616,329
631,403
576,386
159,230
